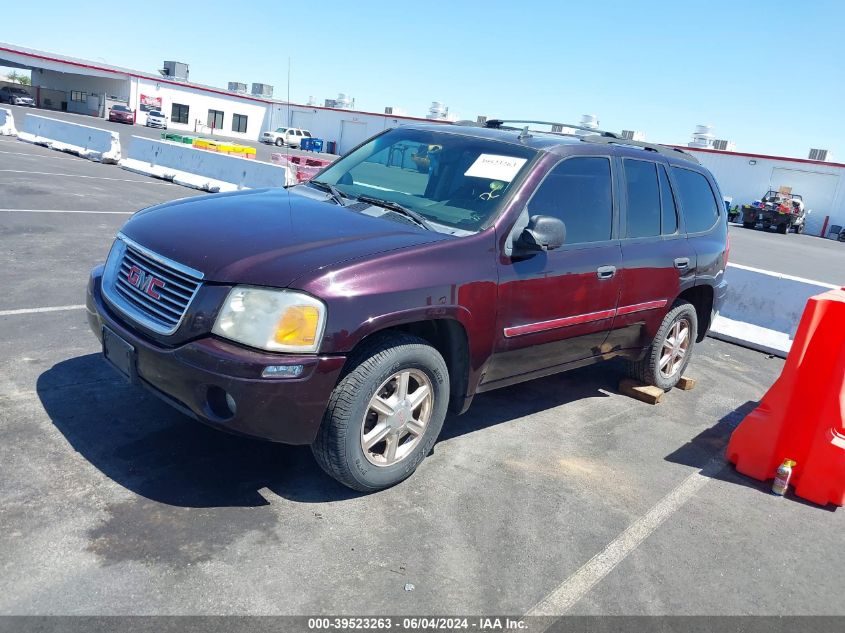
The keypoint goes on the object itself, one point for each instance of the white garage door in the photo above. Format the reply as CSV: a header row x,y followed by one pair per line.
x,y
351,134
817,190
303,120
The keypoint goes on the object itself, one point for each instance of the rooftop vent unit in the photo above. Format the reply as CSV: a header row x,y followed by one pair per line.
x,y
591,121
633,135
262,90
235,86
821,154
702,137
175,70
388,110
481,119
437,111
724,145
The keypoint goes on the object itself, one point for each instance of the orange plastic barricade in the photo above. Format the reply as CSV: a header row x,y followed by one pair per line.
x,y
802,416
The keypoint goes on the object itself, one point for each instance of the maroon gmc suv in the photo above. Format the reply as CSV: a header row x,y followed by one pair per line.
x,y
430,264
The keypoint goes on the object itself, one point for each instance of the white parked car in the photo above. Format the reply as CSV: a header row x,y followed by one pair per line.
x,y
156,119
16,96
285,136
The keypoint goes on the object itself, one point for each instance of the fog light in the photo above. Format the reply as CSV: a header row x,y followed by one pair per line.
x,y
282,371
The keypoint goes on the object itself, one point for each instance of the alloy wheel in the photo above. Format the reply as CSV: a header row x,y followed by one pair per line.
x,y
675,347
397,417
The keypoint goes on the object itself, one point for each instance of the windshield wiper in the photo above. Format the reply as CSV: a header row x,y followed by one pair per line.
x,y
333,191
397,208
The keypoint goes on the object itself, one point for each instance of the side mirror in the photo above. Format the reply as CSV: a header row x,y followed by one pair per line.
x,y
543,233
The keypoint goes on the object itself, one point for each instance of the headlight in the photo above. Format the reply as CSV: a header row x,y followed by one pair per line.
x,y
275,320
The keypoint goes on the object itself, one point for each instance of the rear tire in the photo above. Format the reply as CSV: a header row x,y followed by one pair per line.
x,y
747,225
783,229
670,341
375,432
799,228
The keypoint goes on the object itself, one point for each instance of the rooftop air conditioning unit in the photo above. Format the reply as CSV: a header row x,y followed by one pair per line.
x,y
633,135
821,154
481,119
262,90
388,110
175,70
235,86
724,145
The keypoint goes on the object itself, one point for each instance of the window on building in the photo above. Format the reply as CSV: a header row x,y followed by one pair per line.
x,y
76,95
667,203
643,198
215,119
179,113
239,122
578,191
697,200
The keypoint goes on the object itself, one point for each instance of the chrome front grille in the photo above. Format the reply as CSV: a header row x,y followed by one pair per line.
x,y
150,289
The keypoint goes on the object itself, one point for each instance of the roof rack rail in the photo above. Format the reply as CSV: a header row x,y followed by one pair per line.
x,y
502,123
666,150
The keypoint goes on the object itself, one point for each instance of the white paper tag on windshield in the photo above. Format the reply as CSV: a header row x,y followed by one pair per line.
x,y
496,167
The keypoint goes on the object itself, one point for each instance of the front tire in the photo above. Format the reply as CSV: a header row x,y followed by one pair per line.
x,y
385,414
279,143
669,353
748,225
783,228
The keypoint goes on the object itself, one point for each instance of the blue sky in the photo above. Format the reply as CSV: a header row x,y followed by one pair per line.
x,y
768,75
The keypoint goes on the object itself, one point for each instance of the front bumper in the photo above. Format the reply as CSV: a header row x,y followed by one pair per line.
x,y
190,376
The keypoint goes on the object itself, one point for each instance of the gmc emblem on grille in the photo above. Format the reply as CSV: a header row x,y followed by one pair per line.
x,y
144,282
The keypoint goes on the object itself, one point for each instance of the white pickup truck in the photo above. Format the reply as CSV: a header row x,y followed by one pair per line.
x,y
291,136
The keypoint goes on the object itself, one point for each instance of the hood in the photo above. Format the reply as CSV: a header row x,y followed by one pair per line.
x,y
266,236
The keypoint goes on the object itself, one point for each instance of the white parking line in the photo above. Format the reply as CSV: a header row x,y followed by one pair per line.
x,y
47,173
571,590
39,155
66,211
38,310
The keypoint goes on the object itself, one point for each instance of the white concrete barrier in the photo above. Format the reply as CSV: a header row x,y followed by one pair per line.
x,y
88,142
763,308
201,169
7,123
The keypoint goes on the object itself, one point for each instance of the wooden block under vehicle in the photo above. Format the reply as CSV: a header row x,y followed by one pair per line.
x,y
686,383
645,393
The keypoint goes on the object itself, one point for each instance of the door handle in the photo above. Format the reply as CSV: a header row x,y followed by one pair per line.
x,y
606,272
681,263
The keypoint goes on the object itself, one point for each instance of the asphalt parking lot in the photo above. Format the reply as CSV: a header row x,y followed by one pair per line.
x,y
126,132
556,496
804,256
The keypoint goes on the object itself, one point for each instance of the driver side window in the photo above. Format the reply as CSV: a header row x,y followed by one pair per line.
x,y
578,191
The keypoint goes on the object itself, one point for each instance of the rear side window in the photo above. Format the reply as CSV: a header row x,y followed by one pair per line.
x,y
667,203
643,198
578,191
697,201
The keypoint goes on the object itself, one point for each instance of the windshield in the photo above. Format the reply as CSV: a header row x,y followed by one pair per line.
x,y
120,108
452,180
155,113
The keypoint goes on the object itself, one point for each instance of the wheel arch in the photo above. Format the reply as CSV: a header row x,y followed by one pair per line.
x,y
701,297
448,336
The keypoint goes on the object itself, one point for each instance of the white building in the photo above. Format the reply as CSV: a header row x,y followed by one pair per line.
x,y
89,87
746,177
